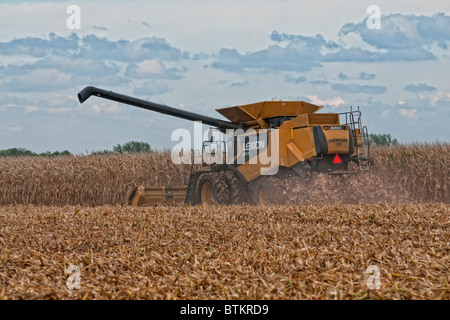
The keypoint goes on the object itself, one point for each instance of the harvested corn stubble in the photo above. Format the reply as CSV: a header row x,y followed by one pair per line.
x,y
225,252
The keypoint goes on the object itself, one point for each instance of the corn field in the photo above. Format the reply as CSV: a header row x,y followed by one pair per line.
x,y
84,180
401,174
321,237
422,169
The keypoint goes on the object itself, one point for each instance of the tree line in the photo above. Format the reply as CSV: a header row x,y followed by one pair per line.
x,y
129,147
144,147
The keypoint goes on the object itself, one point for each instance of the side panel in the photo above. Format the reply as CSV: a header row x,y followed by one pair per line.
x,y
337,138
304,140
255,153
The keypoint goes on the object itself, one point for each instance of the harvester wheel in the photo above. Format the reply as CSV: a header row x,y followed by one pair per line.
x,y
258,191
213,189
238,194
273,189
262,197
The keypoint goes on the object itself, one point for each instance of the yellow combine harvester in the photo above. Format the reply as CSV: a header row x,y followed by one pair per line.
x,y
263,138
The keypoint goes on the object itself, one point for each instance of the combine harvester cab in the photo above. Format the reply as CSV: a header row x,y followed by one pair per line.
x,y
263,138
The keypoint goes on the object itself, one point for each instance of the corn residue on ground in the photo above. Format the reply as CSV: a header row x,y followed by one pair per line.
x,y
228,252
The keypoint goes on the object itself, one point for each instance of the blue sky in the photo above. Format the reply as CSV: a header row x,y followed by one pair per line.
x,y
202,55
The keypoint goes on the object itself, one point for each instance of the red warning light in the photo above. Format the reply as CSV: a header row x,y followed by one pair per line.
x,y
337,159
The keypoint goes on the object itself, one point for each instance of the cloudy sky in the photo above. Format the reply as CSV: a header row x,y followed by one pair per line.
x,y
201,55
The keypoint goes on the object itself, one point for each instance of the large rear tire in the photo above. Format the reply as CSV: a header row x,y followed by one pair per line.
x,y
238,193
213,189
258,191
272,189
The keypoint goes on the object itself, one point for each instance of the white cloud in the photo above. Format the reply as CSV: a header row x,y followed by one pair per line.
x,y
404,32
410,114
29,109
334,102
113,110
149,67
440,96
39,80
96,108
62,110
153,69
385,114
104,108
152,87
